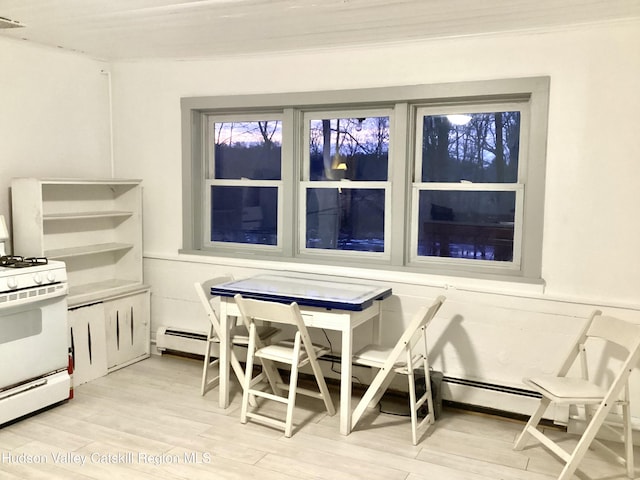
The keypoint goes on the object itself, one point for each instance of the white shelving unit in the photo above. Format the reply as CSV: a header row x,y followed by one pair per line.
x,y
95,227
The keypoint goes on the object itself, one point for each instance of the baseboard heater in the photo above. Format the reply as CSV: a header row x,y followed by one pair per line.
x,y
193,342
171,339
491,386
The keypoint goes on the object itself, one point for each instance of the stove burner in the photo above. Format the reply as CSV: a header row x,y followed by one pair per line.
x,y
15,261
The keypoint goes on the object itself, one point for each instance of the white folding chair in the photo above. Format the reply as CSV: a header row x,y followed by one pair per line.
x,y
297,353
623,344
238,335
401,359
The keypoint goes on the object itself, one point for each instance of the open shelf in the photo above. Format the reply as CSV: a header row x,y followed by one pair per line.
x,y
94,225
85,215
62,253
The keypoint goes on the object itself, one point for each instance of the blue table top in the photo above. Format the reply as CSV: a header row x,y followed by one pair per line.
x,y
304,291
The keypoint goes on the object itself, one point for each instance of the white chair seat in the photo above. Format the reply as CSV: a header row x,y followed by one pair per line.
x,y
240,335
375,356
283,352
372,355
568,388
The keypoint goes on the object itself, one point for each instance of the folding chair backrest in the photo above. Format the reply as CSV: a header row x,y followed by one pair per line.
x,y
412,335
620,332
203,290
274,312
416,333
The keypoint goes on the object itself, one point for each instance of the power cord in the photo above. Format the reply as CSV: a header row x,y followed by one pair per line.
x,y
333,362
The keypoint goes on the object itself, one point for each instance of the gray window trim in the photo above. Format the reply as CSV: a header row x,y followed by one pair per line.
x,y
402,99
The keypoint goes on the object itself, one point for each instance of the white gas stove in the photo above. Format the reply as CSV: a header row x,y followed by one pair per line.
x,y
23,279
34,351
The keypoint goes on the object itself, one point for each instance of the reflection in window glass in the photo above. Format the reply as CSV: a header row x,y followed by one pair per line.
x,y
244,214
476,147
249,150
351,148
345,219
465,224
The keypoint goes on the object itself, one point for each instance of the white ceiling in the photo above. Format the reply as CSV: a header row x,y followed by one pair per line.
x,y
131,29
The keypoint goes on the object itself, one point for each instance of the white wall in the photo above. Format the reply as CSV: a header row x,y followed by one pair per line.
x,y
489,331
54,116
592,164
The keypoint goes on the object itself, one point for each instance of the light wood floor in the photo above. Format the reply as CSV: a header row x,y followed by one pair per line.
x,y
148,421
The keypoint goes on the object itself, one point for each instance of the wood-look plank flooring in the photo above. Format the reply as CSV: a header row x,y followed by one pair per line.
x,y
148,421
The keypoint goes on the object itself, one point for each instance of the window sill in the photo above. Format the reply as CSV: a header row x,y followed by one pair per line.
x,y
515,286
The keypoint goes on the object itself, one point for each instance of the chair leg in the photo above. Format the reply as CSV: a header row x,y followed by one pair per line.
x,y
412,407
628,435
273,376
428,390
322,385
326,396
207,384
383,389
251,348
374,393
291,400
585,441
205,368
532,423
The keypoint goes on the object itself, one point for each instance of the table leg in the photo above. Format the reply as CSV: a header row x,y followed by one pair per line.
x,y
225,352
376,327
345,381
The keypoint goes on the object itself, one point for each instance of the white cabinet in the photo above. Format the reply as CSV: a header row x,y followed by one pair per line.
x,y
127,329
94,226
87,342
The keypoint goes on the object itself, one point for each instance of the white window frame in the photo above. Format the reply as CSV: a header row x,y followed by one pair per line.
x,y
306,183
518,187
210,181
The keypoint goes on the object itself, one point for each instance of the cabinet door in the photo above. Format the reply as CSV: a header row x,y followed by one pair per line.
x,y
87,342
127,329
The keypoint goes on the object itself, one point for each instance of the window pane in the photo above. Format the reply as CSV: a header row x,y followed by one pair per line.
x,y
476,147
244,215
248,150
352,148
459,224
345,219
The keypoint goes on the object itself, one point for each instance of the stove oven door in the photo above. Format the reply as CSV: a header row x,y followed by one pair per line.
x,y
33,336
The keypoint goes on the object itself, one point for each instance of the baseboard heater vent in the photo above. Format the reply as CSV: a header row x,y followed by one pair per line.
x,y
491,386
180,340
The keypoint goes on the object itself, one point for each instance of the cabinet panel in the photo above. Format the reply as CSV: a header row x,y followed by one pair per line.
x,y
127,329
87,342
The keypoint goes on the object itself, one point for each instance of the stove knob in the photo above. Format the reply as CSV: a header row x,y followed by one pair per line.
x,y
12,283
51,276
37,278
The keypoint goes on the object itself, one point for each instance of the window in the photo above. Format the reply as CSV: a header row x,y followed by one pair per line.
x,y
428,178
468,187
344,190
244,184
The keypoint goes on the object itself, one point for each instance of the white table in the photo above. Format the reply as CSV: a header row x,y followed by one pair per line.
x,y
338,306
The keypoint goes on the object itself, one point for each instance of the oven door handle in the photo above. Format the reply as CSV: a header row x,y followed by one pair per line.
x,y
23,388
